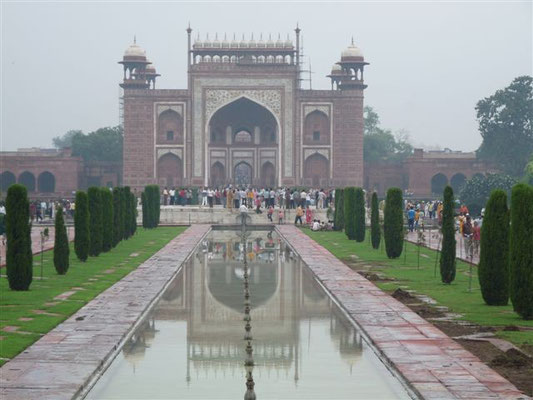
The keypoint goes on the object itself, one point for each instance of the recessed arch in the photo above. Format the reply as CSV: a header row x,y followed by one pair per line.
x,y
169,170
457,181
27,179
169,128
218,174
268,174
243,173
316,128
46,182
316,170
7,178
438,183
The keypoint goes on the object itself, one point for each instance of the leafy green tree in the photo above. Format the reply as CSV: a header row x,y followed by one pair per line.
x,y
338,222
521,250
96,221
19,257
82,226
349,212
447,258
107,219
476,191
104,144
118,224
375,230
360,213
506,125
393,223
493,267
61,249
380,144
528,171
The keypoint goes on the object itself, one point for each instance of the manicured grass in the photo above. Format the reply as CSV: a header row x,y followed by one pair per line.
x,y
36,312
423,280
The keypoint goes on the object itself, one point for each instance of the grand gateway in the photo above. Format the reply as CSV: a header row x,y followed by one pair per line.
x,y
244,118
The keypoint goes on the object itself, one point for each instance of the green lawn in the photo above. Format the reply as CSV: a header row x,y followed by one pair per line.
x,y
35,312
407,274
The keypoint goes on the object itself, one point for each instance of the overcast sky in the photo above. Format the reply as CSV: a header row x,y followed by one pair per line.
x,y
430,62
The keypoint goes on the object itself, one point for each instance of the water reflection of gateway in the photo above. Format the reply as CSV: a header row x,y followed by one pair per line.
x,y
208,295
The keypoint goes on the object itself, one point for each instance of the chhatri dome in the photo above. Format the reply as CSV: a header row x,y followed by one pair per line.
x,y
352,52
134,50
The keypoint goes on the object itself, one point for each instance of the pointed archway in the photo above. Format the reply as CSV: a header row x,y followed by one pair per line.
x,y
169,170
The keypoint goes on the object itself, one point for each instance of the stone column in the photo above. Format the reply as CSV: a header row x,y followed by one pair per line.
x,y
257,135
228,135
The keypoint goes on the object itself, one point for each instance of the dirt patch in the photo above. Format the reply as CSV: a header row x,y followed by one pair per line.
x,y
403,295
426,311
509,366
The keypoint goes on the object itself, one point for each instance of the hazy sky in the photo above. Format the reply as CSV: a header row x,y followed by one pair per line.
x,y
430,62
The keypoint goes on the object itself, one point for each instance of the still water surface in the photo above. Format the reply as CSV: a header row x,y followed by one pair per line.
x,y
191,346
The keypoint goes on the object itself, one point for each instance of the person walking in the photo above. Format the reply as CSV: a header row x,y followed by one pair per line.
x,y
467,235
281,215
270,212
411,218
299,215
476,237
229,199
204,196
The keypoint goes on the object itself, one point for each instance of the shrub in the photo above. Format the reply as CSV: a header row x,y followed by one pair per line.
x,y
95,218
393,223
521,250
493,267
360,214
117,216
349,212
81,226
339,210
447,257
375,231
107,220
19,257
61,250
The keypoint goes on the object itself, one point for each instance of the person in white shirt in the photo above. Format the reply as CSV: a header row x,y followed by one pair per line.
x,y
316,225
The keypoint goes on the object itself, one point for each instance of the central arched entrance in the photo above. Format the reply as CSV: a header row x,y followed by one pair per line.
x,y
244,136
243,174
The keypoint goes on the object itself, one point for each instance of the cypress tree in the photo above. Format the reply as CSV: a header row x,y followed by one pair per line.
x,y
61,249
393,223
117,215
374,222
360,213
143,210
157,205
19,257
339,209
107,219
95,213
81,226
493,267
126,198
349,212
521,250
133,214
447,257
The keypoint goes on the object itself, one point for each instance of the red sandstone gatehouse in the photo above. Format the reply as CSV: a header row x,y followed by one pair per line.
x,y
243,118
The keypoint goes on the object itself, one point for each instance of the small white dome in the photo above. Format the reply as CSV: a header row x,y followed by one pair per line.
x,y
225,43
352,51
216,42
261,42
150,67
234,42
288,42
243,42
279,42
134,51
336,68
252,43
270,42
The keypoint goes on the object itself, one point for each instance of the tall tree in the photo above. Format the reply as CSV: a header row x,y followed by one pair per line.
x,y
476,191
144,209
506,125
61,142
118,224
107,219
521,250
61,249
19,257
339,209
360,215
104,144
96,220
126,202
349,212
393,223
493,267
82,226
133,214
447,258
375,230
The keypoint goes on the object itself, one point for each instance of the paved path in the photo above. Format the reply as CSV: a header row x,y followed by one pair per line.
x,y
436,366
58,365
36,241
433,241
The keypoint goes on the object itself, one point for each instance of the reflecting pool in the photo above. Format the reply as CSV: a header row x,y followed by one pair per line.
x,y
299,344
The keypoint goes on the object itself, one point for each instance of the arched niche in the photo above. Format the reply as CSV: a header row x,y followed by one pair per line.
x,y
46,182
316,170
438,183
268,174
317,128
218,174
7,178
27,179
169,128
457,181
169,170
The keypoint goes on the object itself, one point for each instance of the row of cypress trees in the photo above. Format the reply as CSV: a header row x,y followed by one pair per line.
x,y
103,218
506,255
150,200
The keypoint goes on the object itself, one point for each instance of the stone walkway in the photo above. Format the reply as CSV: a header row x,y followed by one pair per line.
x,y
36,241
435,365
433,241
59,364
